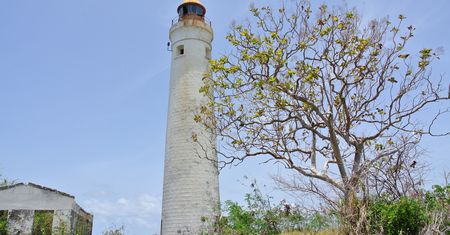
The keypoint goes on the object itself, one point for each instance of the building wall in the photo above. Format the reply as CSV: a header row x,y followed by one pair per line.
x,y
20,222
24,197
25,204
64,222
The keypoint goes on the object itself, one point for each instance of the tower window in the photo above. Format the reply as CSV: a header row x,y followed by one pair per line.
x,y
199,11
191,9
208,53
180,50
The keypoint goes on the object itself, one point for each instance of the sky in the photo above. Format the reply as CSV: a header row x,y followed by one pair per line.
x,y
84,95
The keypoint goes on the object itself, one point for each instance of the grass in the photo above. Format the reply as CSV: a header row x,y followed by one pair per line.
x,y
324,232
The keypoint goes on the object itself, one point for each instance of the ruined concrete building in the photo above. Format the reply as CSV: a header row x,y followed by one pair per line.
x,y
29,209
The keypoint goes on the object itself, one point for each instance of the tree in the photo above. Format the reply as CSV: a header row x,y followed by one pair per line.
x,y
330,99
114,230
4,181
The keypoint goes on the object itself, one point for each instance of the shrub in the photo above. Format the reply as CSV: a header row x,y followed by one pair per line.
x,y
403,216
3,222
114,230
260,216
438,210
42,223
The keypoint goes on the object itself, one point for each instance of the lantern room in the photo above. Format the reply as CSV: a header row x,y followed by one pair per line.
x,y
191,9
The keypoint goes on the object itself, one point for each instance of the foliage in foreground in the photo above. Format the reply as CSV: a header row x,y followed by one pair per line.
x,y
114,230
404,216
261,216
3,222
427,213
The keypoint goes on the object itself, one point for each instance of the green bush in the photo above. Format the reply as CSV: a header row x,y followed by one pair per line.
x,y
114,230
427,213
42,223
316,222
403,216
257,217
260,216
439,198
437,203
3,222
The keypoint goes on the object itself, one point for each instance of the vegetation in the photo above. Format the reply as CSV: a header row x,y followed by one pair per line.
x,y
114,230
404,216
82,227
3,222
428,213
4,181
42,223
4,213
438,210
334,100
261,216
61,229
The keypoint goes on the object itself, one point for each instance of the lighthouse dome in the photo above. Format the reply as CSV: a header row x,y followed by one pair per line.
x,y
191,1
191,8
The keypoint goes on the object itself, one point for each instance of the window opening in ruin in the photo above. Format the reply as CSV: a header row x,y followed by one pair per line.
x,y
82,226
42,222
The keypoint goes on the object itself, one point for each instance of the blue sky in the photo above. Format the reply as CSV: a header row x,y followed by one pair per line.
x,y
84,92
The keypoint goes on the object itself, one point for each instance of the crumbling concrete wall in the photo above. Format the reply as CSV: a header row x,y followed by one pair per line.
x,y
25,203
31,197
20,222
65,222
62,224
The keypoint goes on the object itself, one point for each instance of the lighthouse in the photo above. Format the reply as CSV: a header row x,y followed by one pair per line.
x,y
191,187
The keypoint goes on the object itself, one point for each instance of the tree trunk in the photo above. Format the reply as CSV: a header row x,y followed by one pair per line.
x,y
353,214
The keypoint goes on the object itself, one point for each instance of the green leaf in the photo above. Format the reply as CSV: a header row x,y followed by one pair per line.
x,y
272,79
390,142
236,142
303,45
381,111
379,147
350,15
423,64
197,118
425,53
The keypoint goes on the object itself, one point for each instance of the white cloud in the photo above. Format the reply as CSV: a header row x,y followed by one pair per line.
x,y
142,210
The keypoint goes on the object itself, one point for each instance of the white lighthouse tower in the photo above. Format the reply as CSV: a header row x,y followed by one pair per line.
x,y
191,188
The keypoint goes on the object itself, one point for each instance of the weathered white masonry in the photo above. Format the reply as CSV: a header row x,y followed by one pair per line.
x,y
191,188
